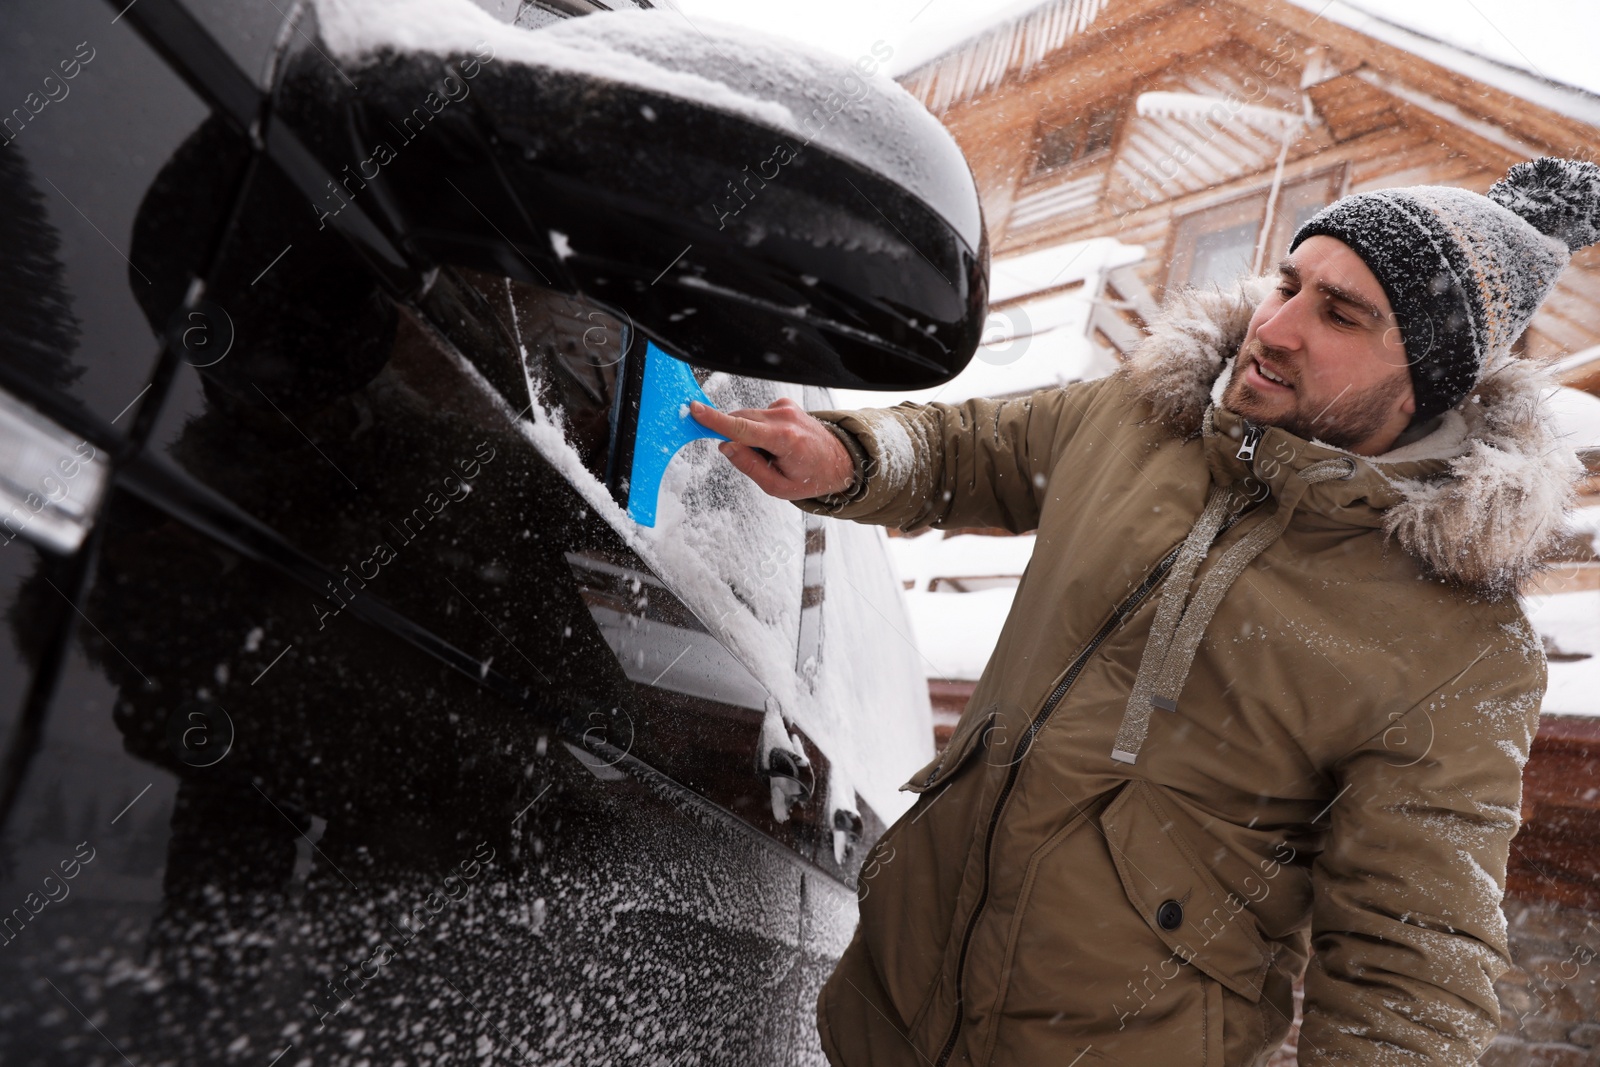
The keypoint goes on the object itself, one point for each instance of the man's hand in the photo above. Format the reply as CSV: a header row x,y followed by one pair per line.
x,y
785,451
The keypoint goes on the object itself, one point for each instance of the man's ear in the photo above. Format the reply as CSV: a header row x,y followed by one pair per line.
x,y
1408,405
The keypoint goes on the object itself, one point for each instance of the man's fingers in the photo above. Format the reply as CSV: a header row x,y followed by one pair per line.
x,y
711,418
780,447
746,431
734,426
751,464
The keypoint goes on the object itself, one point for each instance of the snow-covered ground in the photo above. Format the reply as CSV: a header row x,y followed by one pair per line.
x,y
1570,624
959,591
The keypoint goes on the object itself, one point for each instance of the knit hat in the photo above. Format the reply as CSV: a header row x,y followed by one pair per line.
x,y
1465,273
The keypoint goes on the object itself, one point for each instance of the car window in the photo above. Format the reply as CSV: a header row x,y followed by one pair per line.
x,y
703,612
571,352
717,537
751,571
83,154
23,636
249,30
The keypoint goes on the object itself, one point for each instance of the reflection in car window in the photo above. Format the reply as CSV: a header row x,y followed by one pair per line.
x,y
572,353
248,30
22,636
89,151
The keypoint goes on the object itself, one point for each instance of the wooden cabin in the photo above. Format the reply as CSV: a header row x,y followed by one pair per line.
x,y
1205,131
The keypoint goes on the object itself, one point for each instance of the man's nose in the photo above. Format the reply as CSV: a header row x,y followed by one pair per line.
x,y
1283,330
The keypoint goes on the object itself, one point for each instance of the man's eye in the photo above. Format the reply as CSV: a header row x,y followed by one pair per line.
x,y
1340,320
1286,291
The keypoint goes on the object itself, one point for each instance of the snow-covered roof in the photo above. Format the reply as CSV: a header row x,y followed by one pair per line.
x,y
1577,359
1018,30
1476,40
1539,50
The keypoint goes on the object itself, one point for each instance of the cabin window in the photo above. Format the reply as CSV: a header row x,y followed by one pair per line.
x,y
1216,245
1075,138
1222,255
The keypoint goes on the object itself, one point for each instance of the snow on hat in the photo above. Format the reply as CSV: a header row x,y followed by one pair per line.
x,y
1465,273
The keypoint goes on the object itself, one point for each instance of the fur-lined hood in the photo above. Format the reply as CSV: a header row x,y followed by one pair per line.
x,y
1480,494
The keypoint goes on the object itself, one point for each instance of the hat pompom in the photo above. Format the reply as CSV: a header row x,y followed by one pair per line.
x,y
1559,197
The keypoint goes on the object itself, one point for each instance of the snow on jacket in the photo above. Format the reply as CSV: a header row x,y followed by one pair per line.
x,y
1156,809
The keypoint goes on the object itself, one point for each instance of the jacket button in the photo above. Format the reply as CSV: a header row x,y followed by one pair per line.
x,y
1170,915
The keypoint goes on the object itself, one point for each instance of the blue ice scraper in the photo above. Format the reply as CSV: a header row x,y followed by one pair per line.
x,y
664,426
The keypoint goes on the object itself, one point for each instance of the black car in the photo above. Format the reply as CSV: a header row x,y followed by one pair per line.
x,y
362,701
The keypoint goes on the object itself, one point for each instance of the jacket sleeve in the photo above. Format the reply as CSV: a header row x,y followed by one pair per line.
x,y
1407,932
979,463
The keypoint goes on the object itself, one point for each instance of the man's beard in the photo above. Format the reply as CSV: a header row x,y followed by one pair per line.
x,y
1351,419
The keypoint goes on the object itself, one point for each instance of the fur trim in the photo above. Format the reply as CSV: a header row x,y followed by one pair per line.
x,y
1493,520
1488,522
1195,332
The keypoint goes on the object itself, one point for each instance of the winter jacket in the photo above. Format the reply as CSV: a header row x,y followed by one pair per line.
x,y
1260,703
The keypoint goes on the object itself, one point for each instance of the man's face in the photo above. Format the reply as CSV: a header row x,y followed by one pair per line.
x,y
1328,333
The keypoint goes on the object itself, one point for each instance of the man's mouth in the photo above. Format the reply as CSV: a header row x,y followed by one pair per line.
x,y
1259,375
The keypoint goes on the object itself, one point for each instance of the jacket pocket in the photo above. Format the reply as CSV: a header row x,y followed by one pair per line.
x,y
1080,967
960,749
1180,900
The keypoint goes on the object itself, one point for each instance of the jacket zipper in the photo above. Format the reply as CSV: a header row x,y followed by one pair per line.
x,y
1252,438
1039,720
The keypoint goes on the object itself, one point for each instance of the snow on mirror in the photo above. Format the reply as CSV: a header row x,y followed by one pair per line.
x,y
750,206
768,81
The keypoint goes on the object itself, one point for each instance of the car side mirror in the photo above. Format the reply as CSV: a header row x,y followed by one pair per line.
x,y
750,208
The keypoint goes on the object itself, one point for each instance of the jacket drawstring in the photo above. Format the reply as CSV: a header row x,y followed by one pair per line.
x,y
1175,634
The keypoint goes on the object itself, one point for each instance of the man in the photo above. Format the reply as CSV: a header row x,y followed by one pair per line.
x,y
1262,703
